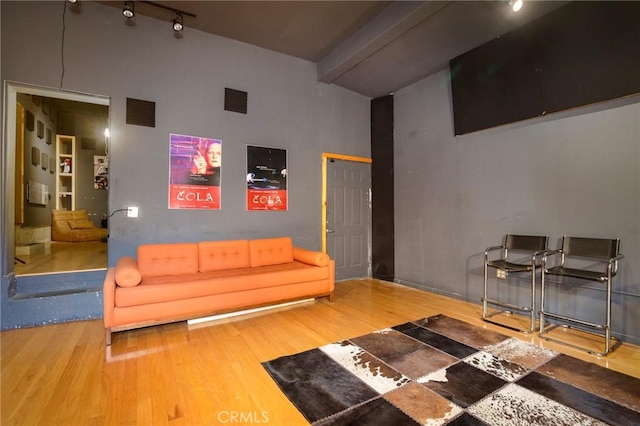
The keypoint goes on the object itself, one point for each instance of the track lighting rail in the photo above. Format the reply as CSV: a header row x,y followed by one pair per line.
x,y
171,9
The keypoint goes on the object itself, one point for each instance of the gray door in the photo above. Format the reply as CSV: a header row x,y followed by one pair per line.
x,y
349,217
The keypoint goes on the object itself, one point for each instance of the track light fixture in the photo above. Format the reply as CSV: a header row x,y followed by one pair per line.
x,y
177,23
74,6
128,10
516,5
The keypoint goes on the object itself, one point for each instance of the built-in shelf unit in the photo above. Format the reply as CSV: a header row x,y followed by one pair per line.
x,y
65,172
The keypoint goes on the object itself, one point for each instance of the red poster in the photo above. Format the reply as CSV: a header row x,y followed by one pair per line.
x,y
194,172
261,199
266,178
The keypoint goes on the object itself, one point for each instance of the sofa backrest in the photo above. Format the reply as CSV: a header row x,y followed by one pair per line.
x,y
206,256
271,251
167,259
221,255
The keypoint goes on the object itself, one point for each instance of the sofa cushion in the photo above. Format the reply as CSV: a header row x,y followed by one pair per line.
x,y
271,251
167,259
81,224
221,255
127,273
169,288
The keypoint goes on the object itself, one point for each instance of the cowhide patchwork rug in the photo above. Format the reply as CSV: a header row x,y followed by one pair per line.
x,y
440,370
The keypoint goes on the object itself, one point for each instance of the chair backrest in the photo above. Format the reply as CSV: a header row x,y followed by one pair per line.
x,y
526,242
597,248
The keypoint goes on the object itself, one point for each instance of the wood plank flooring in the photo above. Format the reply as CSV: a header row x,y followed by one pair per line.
x,y
63,257
211,373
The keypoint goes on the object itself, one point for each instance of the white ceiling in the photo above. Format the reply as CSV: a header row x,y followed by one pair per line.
x,y
370,47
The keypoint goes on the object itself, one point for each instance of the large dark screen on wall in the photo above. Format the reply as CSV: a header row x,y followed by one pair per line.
x,y
495,84
590,54
579,54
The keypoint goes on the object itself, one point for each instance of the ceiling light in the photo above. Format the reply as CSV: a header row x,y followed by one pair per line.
x,y
128,10
516,5
177,23
74,6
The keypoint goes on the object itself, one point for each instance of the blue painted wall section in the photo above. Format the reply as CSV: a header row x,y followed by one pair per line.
x,y
30,302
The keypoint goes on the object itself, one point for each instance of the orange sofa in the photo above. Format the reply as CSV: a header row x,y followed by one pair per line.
x,y
177,281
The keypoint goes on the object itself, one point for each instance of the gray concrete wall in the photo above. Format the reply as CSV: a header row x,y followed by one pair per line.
x,y
38,214
94,201
287,108
576,173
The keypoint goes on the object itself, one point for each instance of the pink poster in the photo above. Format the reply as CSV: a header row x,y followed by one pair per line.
x,y
266,178
194,172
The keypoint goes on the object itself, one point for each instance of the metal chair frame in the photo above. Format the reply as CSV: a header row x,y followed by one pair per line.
x,y
535,246
604,251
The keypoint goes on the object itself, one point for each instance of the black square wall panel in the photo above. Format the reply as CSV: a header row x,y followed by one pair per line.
x,y
141,113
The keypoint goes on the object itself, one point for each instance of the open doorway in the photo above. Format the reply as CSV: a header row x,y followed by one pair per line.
x,y
61,173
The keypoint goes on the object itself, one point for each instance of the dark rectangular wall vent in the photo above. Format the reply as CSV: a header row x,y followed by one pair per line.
x,y
235,100
141,113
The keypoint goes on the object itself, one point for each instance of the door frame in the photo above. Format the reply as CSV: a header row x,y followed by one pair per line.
x,y
7,156
325,157
19,195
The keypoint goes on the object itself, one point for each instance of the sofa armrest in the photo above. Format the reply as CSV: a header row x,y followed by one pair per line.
x,y
310,257
127,273
109,297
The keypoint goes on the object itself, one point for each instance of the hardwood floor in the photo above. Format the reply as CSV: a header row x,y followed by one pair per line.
x,y
211,373
63,257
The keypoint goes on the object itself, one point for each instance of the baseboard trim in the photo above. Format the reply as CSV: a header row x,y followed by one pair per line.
x,y
245,312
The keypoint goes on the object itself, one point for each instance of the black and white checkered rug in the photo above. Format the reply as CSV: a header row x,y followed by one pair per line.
x,y
440,370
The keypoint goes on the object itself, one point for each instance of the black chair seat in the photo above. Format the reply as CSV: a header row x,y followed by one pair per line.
x,y
509,266
599,252
576,273
511,253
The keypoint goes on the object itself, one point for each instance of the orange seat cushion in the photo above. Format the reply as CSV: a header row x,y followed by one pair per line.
x,y
169,288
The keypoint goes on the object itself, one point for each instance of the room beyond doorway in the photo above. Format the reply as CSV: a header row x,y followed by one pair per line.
x,y
64,257
48,113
